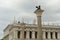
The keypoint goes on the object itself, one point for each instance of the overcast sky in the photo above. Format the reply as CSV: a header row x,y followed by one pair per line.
x,y
25,9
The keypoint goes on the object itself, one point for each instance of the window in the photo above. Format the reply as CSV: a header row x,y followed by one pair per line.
x,y
56,35
35,34
46,34
51,35
24,34
30,34
18,34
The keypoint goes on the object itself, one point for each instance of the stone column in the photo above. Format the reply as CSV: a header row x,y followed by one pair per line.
x,y
15,35
23,28
38,12
58,34
27,35
49,36
11,36
33,34
22,33
44,37
54,35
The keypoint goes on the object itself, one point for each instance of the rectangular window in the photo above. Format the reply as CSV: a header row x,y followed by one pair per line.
x,y
56,35
18,34
46,34
30,34
24,34
51,33
35,34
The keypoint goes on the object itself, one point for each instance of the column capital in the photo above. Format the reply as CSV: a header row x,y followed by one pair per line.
x,y
38,11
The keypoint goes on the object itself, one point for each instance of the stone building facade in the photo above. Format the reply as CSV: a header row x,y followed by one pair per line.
x,y
14,32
